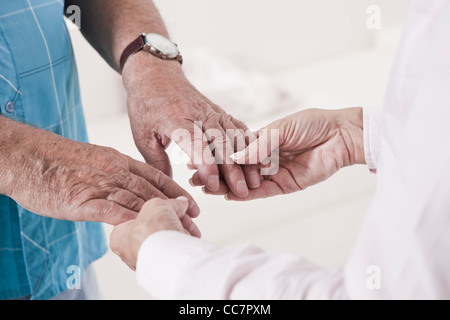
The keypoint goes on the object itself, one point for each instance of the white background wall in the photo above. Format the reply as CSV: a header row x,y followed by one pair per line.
x,y
330,59
303,30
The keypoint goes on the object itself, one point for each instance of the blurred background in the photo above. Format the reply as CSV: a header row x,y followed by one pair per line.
x,y
261,60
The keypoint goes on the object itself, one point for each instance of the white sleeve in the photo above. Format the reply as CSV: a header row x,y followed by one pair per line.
x,y
172,265
372,133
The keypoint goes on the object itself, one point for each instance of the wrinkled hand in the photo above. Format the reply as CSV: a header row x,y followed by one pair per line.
x,y
67,180
313,145
156,215
161,102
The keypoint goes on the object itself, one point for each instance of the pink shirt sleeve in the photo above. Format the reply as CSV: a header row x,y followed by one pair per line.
x,y
172,265
403,245
372,133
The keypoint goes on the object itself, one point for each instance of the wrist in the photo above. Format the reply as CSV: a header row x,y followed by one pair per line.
x,y
350,123
143,67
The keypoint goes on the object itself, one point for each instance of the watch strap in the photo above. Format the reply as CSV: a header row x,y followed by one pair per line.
x,y
133,48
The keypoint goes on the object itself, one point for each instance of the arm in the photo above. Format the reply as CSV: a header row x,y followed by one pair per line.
x,y
38,171
161,100
399,254
173,265
110,25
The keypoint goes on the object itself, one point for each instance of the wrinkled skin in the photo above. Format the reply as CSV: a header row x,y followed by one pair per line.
x,y
314,144
160,101
67,180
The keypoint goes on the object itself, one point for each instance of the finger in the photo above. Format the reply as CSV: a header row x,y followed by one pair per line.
x,y
101,210
177,207
259,150
190,226
190,166
119,233
223,187
180,206
165,185
126,199
191,139
155,154
243,134
139,186
231,173
223,190
266,190
195,181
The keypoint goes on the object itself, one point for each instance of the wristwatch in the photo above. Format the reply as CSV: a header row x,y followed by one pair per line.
x,y
154,44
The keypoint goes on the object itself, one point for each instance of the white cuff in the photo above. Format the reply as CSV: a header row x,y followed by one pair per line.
x,y
162,259
372,132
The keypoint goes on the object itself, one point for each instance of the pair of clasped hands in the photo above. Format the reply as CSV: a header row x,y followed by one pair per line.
x,y
311,146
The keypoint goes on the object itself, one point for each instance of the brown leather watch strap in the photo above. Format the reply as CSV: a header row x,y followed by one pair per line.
x,y
134,47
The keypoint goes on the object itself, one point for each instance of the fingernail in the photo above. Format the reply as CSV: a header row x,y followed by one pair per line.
x,y
238,155
191,182
226,198
194,209
241,188
253,180
182,199
195,231
213,183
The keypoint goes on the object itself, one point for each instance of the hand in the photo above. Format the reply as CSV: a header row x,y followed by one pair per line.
x,y
156,215
161,101
67,180
313,145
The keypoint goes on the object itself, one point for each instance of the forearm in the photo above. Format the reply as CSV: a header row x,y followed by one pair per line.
x,y
13,136
110,25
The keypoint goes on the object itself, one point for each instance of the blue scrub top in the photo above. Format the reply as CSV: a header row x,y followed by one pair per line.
x,y
39,86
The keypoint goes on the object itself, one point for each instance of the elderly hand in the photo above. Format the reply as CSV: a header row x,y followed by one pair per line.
x,y
313,145
156,215
67,180
161,102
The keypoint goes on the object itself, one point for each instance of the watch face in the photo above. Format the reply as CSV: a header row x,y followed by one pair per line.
x,y
165,46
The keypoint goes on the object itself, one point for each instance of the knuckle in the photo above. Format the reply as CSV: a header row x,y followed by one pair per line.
x,y
123,177
161,181
232,171
125,216
211,117
106,210
226,120
127,199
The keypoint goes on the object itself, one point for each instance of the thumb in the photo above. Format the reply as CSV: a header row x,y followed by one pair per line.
x,y
180,205
259,150
156,156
